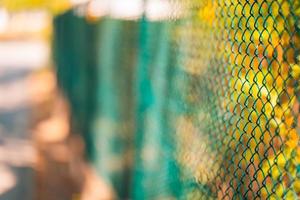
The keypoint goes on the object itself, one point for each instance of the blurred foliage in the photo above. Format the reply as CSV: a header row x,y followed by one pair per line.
x,y
54,6
208,103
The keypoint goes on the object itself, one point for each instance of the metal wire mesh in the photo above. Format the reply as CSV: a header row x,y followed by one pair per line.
x,y
241,62
215,95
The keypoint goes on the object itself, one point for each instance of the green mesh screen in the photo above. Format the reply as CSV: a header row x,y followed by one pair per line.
x,y
74,51
201,105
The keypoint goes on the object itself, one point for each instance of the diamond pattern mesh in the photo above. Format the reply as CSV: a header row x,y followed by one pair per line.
x,y
214,91
240,60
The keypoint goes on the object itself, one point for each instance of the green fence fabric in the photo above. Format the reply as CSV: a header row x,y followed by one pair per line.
x,y
154,158
74,51
113,126
203,105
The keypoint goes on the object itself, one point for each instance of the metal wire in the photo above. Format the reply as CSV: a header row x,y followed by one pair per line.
x,y
216,100
241,60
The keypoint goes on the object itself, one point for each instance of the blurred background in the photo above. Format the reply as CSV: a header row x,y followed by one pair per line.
x,y
50,74
149,99
40,158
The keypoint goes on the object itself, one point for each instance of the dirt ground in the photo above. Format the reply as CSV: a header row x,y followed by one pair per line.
x,y
61,172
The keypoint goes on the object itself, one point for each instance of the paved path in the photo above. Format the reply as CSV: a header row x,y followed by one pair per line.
x,y
16,151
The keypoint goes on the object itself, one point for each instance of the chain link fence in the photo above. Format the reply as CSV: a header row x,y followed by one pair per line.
x,y
203,104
